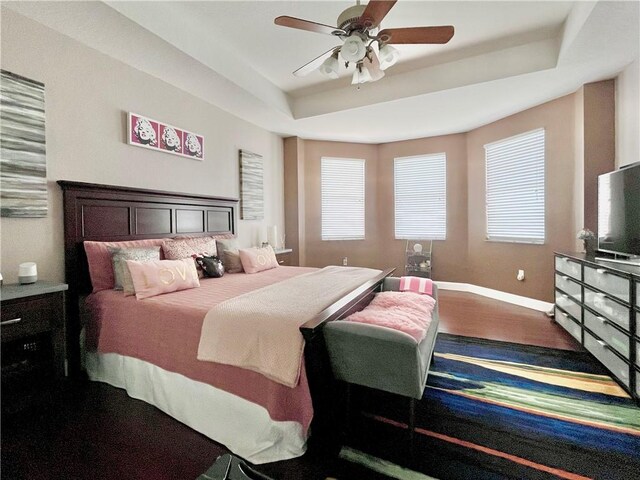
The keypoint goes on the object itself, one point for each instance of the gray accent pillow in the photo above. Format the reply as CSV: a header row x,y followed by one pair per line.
x,y
121,274
228,253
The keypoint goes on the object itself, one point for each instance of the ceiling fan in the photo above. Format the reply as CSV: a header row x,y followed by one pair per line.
x,y
358,29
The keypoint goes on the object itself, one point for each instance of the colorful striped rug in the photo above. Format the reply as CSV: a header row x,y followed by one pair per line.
x,y
495,410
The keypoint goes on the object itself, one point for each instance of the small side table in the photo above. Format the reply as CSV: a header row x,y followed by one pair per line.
x,y
283,255
33,332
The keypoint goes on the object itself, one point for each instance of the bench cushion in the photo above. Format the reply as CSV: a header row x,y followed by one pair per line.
x,y
380,357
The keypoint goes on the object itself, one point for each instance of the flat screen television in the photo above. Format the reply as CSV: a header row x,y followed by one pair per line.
x,y
619,211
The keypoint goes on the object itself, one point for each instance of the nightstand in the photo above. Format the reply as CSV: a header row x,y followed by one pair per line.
x,y
33,341
283,255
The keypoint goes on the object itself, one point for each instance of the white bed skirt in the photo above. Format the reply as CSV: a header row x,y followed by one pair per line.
x,y
243,427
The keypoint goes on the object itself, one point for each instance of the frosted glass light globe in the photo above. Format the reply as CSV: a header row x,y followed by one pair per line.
x,y
353,49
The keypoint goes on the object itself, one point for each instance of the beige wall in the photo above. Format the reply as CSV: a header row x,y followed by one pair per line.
x,y
294,198
628,115
87,95
578,177
450,255
495,264
466,256
359,252
599,143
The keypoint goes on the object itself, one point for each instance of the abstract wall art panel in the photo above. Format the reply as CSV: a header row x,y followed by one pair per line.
x,y
23,162
251,186
148,133
143,131
193,145
170,139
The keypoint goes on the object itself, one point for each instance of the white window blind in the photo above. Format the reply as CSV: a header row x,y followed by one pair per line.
x,y
604,206
515,188
342,198
420,186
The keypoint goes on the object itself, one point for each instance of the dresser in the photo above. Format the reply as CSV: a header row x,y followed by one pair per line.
x,y
598,303
33,341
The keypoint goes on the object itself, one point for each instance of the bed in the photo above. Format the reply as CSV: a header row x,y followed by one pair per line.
x,y
152,357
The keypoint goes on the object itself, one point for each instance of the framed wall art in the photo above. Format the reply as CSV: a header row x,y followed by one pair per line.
x,y
148,133
23,171
251,186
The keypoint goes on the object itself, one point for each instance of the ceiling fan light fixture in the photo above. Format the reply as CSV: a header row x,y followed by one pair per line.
x,y
330,66
375,74
388,56
360,75
353,49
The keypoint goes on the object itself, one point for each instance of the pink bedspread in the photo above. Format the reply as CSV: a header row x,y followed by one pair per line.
x,y
165,331
408,312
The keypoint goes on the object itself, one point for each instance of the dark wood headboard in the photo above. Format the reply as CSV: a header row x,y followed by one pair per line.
x,y
114,213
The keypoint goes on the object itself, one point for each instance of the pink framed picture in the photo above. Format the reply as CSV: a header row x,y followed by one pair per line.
x,y
148,133
193,145
143,131
170,139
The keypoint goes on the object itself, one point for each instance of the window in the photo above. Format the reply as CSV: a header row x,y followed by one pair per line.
x,y
515,188
342,199
420,185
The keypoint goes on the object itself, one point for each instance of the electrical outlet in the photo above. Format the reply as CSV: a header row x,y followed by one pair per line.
x,y
344,261
520,275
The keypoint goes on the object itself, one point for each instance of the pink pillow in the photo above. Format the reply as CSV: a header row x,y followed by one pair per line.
x,y
162,276
191,247
256,260
99,260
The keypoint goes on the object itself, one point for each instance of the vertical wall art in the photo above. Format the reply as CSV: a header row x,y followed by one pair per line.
x,y
148,133
251,186
23,162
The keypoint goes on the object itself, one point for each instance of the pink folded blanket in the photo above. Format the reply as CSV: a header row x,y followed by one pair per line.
x,y
408,312
416,284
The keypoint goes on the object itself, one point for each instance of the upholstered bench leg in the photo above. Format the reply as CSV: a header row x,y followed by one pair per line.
x,y
412,427
347,409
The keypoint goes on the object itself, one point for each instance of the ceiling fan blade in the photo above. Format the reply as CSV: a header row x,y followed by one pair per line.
x,y
374,13
314,64
374,67
300,24
417,34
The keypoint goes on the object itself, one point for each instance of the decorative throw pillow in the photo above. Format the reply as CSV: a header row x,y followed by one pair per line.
x,y
191,247
212,267
99,259
256,260
162,276
121,272
228,252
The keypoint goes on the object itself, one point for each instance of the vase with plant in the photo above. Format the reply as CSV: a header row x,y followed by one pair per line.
x,y
588,240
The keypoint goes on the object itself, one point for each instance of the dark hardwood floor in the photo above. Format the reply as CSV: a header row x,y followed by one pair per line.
x,y
94,431
472,315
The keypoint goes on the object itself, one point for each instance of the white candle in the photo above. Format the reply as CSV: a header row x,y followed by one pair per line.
x,y
272,236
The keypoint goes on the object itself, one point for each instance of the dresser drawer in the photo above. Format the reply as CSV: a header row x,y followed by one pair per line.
x,y
568,305
568,267
569,325
601,351
26,317
614,285
614,337
564,283
607,307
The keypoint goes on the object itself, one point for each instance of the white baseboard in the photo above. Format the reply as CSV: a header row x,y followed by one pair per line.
x,y
497,294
